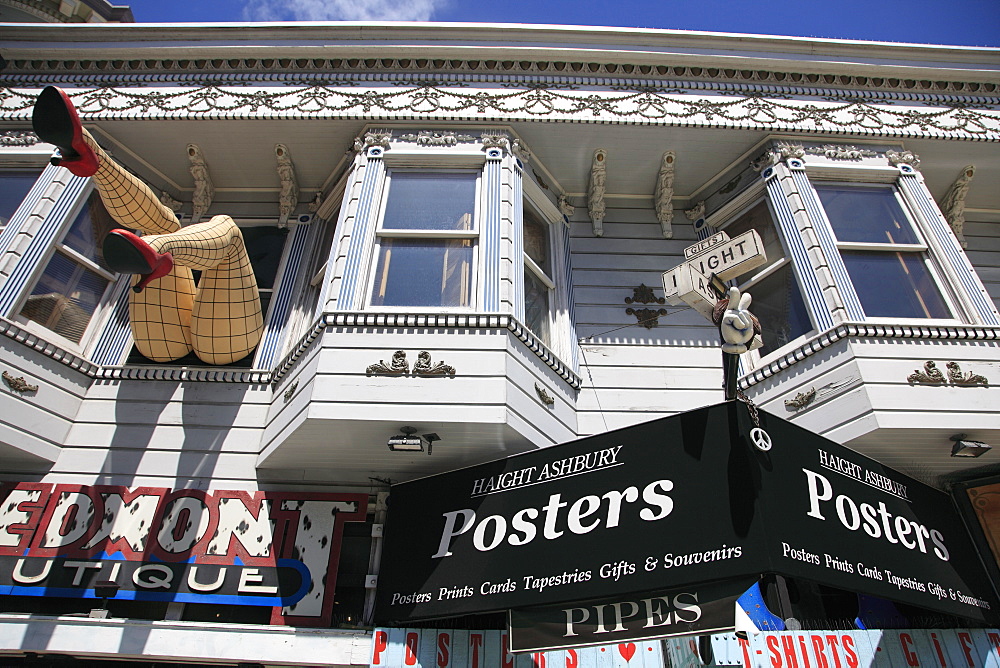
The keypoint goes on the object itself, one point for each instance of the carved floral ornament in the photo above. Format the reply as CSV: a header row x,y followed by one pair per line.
x,y
932,375
400,366
18,384
624,104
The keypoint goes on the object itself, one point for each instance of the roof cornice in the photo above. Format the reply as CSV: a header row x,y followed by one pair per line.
x,y
516,42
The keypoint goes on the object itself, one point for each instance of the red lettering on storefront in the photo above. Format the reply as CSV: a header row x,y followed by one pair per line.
x,y
381,644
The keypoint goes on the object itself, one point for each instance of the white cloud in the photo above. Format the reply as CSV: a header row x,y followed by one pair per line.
x,y
341,10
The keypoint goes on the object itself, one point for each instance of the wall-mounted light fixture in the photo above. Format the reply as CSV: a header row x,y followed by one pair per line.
x,y
406,442
967,448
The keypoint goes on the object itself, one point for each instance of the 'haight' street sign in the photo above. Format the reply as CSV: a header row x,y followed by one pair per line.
x,y
704,496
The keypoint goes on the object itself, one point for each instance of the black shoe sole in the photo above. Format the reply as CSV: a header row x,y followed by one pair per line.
x,y
53,123
121,256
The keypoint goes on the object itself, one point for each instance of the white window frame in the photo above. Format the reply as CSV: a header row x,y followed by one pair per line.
x,y
531,266
380,233
730,214
929,260
104,304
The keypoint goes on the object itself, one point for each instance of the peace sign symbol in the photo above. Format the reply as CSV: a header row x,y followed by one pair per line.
x,y
761,439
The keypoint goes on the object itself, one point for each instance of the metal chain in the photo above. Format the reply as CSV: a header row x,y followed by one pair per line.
x,y
751,407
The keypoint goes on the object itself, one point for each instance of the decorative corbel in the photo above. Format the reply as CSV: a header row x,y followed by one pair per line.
x,y
369,139
565,208
169,202
897,158
204,191
953,205
696,212
500,141
316,203
663,196
520,150
288,199
595,194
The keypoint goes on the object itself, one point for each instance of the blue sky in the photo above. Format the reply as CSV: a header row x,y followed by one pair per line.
x,y
960,22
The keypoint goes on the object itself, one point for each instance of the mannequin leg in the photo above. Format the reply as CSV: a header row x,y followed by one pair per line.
x,y
227,322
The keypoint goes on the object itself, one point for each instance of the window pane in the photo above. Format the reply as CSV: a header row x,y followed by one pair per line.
x,y
536,306
14,187
432,201
866,214
419,272
86,235
895,284
759,218
778,305
536,240
65,297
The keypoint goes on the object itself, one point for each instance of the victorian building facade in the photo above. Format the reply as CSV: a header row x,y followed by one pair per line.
x,y
459,234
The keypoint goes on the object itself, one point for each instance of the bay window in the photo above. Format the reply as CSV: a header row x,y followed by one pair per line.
x,y
426,240
538,286
884,253
73,283
777,300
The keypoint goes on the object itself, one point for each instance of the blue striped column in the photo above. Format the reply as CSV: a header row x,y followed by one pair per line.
x,y
562,239
44,238
946,242
491,236
115,340
291,282
802,266
351,296
824,234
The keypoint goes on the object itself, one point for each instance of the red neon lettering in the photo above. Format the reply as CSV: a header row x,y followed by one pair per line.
x,y
475,643
817,643
381,643
506,658
788,645
905,641
832,641
966,641
410,653
572,659
937,648
444,644
805,652
847,642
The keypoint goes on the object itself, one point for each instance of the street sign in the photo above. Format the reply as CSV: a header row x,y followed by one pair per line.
x,y
725,258
732,258
684,285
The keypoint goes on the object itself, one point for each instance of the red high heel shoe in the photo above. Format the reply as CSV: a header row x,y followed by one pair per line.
x,y
55,121
128,254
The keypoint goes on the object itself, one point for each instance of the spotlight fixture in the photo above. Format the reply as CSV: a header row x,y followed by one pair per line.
x,y
966,448
430,438
406,442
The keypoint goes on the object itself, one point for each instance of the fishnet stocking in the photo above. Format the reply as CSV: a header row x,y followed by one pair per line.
x,y
221,319
227,322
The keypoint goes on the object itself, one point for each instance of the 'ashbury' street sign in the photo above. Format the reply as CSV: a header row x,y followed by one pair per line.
x,y
725,258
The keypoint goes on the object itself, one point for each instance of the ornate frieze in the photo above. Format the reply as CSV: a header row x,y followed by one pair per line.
x,y
18,138
841,152
691,107
439,138
399,366
370,139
